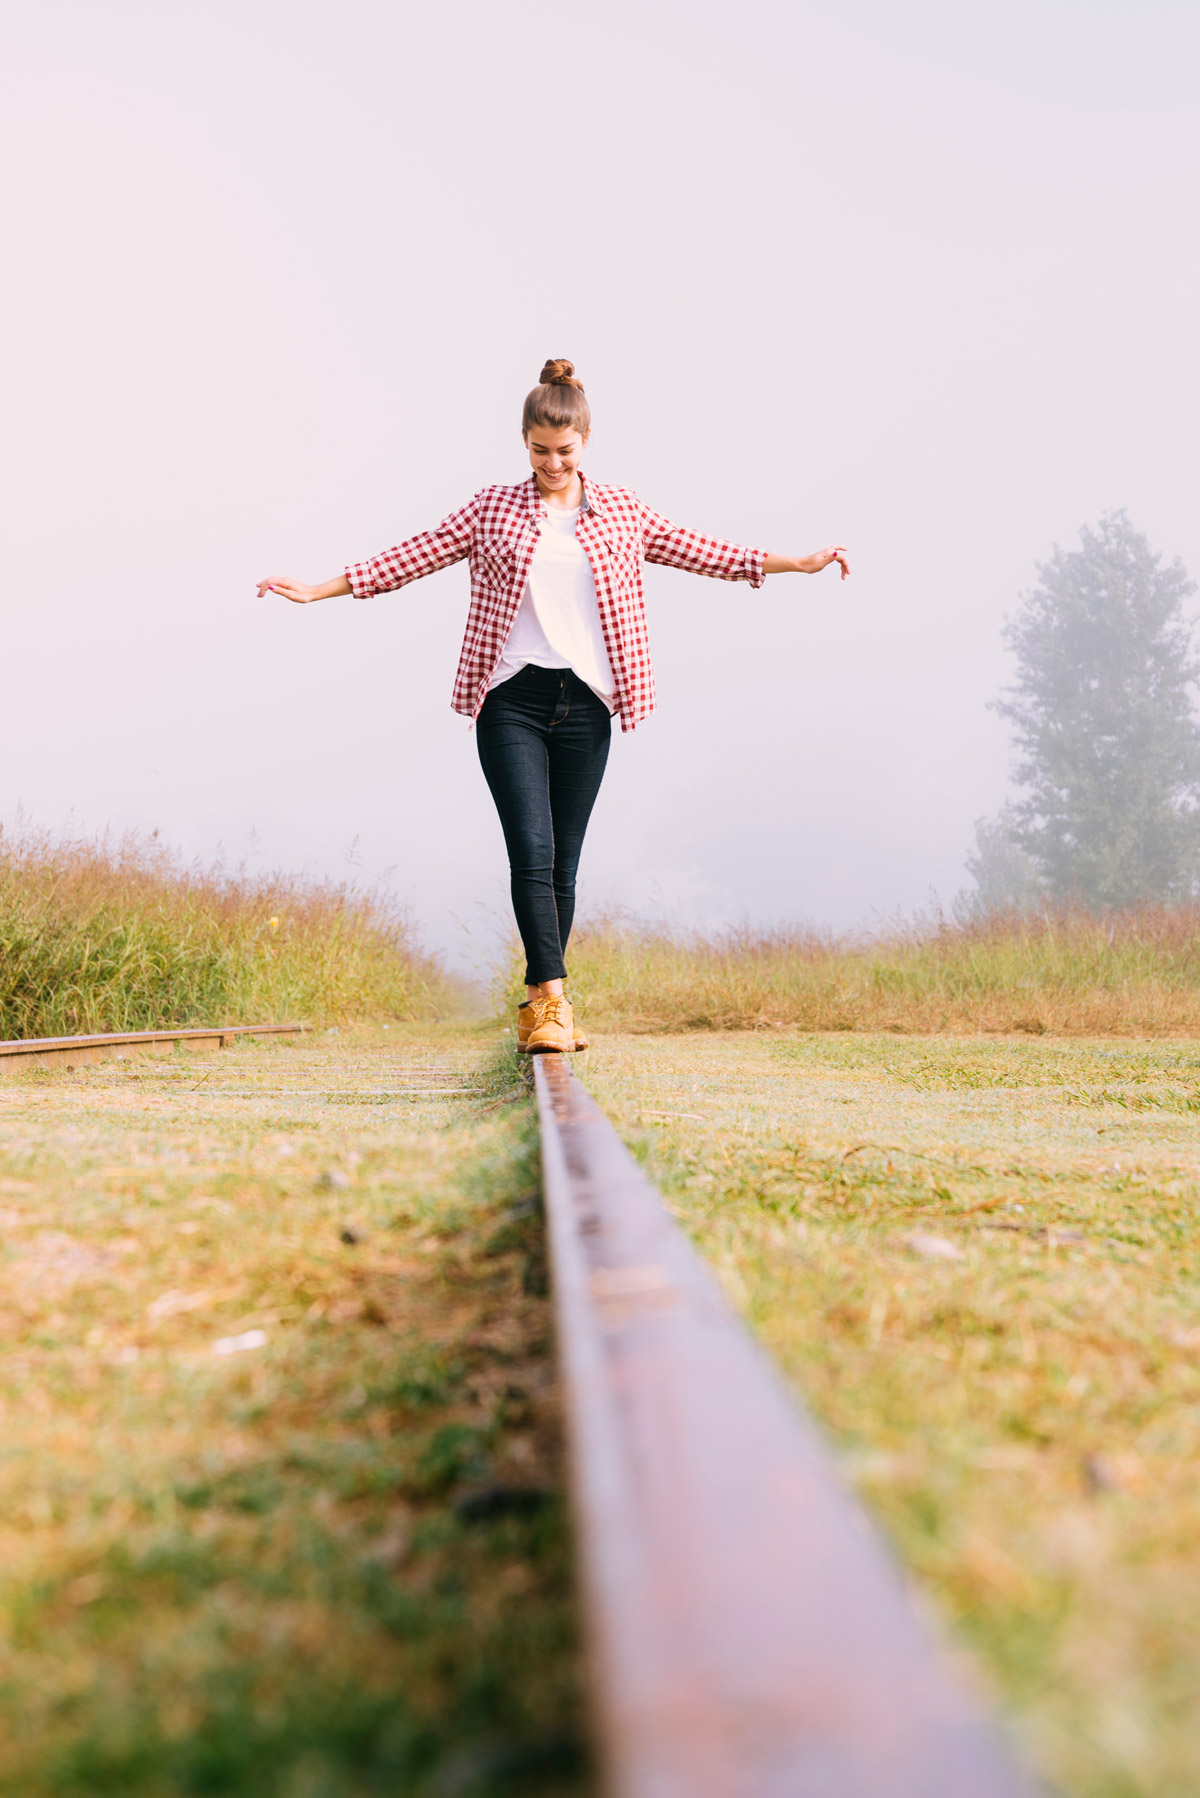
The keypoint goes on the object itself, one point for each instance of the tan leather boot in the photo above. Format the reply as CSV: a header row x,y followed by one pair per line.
x,y
525,1025
551,1026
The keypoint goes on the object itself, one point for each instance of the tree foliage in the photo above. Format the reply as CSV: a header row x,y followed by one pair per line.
x,y
1101,710
1005,874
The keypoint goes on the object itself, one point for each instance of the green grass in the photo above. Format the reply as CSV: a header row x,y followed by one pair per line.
x,y
102,935
334,1562
977,1262
1133,974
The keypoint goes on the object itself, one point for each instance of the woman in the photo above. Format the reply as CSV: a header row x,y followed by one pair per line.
x,y
555,645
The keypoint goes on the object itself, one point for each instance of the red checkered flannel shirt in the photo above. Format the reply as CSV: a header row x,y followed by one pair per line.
x,y
499,531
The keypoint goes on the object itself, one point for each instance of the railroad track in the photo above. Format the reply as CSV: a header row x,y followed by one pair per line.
x,y
748,1635
77,1051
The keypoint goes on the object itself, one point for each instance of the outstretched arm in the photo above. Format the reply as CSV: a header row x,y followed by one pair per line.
x,y
808,564
301,595
447,543
679,547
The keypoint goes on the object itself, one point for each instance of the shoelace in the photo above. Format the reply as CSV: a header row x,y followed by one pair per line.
x,y
549,1011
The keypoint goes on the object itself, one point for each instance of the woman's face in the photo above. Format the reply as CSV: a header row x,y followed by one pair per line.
x,y
554,456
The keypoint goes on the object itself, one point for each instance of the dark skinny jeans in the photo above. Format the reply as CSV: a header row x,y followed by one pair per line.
x,y
543,741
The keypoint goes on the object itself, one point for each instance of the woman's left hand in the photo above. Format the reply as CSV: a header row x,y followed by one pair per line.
x,y
808,564
823,557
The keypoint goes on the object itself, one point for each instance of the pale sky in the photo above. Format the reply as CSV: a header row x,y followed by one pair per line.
x,y
917,277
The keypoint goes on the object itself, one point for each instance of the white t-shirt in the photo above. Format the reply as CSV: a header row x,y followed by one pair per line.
x,y
558,620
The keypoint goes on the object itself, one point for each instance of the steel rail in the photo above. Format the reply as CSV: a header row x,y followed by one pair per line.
x,y
69,1051
748,1635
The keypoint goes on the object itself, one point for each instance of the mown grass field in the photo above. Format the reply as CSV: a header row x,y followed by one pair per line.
x,y
977,1262
281,1505
281,1502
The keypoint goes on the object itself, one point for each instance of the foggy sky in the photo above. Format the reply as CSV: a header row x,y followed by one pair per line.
x,y
919,278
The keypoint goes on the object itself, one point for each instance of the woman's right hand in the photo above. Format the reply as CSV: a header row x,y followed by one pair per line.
x,y
298,593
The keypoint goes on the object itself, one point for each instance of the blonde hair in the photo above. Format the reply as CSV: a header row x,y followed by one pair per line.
x,y
558,401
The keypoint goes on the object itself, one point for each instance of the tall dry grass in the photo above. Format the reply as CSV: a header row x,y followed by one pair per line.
x,y
105,934
1134,973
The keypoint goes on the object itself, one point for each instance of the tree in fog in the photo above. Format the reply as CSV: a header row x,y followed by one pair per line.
x,y
1004,872
1107,744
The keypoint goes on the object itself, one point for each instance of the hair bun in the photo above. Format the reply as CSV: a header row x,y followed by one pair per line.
x,y
558,372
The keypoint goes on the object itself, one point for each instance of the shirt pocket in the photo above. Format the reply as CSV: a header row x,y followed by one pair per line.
x,y
495,564
623,552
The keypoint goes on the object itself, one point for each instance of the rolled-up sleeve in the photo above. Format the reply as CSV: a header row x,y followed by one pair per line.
x,y
424,554
676,546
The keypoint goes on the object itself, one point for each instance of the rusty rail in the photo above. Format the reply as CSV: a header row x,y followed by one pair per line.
x,y
69,1051
748,1635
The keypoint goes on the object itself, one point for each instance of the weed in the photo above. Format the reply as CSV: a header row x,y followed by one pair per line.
x,y
122,935
1134,974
